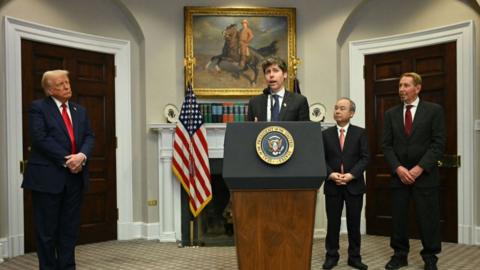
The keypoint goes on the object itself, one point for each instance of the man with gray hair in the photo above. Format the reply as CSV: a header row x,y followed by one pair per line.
x,y
347,157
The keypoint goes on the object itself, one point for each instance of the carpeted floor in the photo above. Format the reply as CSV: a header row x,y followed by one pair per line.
x,y
143,254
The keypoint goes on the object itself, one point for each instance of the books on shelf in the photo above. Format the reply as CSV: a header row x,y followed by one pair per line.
x,y
225,112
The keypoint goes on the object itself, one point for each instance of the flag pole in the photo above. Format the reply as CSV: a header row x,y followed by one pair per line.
x,y
191,233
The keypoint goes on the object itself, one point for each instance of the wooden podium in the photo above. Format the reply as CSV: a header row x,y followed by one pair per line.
x,y
273,205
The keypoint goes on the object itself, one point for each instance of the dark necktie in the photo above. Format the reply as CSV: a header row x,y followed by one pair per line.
x,y
408,120
276,109
68,124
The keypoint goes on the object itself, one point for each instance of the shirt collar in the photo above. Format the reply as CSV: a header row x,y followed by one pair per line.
x,y
344,128
58,102
414,103
280,93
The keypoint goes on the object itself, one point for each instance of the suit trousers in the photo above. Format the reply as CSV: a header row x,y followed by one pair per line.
x,y
57,221
427,210
334,207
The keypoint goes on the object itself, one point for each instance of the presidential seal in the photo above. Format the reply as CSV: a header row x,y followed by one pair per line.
x,y
274,145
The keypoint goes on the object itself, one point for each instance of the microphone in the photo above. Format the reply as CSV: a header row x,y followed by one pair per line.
x,y
267,91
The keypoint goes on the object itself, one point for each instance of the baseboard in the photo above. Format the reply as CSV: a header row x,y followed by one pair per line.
x,y
477,234
319,233
142,230
3,249
150,231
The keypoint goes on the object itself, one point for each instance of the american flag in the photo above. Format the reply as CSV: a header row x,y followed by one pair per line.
x,y
190,154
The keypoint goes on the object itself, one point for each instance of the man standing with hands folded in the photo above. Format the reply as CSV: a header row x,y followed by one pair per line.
x,y
413,142
57,174
347,157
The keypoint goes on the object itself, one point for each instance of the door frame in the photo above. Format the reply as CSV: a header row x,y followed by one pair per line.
x,y
15,30
462,33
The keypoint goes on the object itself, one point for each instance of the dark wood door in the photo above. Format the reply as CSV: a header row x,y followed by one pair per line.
x,y
92,82
437,66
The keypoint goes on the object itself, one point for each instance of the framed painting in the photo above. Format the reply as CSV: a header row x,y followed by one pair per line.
x,y
225,47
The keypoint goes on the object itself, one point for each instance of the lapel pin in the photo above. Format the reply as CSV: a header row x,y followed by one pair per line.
x,y
284,104
74,108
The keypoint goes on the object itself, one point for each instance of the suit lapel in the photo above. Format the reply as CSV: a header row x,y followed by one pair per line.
x,y
283,107
55,111
349,135
263,108
418,113
398,119
74,114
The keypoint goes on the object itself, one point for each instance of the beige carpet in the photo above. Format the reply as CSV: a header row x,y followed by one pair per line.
x,y
143,254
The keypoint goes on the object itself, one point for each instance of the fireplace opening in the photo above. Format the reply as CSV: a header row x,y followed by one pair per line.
x,y
214,225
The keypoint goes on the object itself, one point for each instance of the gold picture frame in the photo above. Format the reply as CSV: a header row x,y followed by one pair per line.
x,y
216,63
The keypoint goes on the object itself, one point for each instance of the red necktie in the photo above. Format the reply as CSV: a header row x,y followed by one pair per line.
x,y
408,120
68,123
342,142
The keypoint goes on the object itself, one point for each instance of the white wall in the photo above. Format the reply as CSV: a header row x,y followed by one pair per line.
x,y
155,29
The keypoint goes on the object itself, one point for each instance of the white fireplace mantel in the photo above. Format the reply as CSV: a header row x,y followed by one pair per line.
x,y
169,206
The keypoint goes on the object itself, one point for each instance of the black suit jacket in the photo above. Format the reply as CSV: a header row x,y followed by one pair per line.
x,y
424,147
294,107
50,144
355,158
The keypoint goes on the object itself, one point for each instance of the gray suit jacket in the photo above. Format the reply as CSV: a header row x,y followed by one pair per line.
x,y
424,147
294,107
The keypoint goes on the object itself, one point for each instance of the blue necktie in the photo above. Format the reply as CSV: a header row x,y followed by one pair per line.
x,y
276,109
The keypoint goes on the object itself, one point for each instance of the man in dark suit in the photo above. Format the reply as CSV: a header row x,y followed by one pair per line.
x,y
276,103
413,142
347,156
62,142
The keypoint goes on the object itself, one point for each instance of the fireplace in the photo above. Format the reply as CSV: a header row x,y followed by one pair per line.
x,y
174,216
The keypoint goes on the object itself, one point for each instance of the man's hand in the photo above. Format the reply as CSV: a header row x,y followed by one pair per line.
x,y
405,176
337,178
347,177
416,171
75,162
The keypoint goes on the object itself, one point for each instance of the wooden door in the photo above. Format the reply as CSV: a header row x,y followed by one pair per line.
x,y
92,82
437,66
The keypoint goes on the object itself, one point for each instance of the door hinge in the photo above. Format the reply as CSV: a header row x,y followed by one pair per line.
x,y
116,142
23,166
115,71
449,161
364,71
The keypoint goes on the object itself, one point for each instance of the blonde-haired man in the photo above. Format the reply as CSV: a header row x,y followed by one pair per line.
x,y
57,174
413,141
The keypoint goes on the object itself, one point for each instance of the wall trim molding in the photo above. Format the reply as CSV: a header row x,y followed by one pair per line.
x,y
463,34
3,249
15,31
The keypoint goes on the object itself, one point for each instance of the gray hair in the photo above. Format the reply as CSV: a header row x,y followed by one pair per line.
x,y
352,104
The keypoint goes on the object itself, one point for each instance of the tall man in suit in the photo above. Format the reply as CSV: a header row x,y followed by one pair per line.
x,y
57,174
276,103
347,156
413,142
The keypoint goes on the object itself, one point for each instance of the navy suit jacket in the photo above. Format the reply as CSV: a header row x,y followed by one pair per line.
x,y
423,147
355,158
294,107
46,171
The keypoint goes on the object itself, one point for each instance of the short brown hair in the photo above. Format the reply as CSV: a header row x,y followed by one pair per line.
x,y
417,79
274,60
47,76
